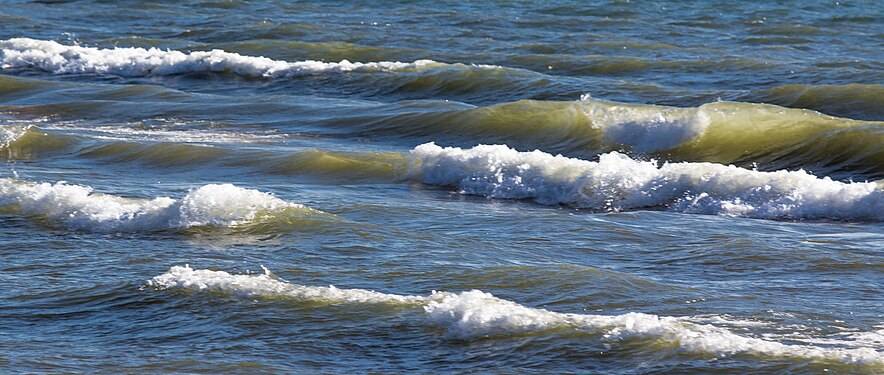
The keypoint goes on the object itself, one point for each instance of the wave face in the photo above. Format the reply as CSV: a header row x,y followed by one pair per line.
x,y
716,205
51,56
748,135
856,100
617,182
743,133
475,314
76,206
266,286
27,142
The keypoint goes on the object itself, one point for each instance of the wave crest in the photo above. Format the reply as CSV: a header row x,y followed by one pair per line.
x,y
475,314
57,58
618,182
76,206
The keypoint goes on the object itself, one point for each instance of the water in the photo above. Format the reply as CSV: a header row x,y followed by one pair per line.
x,y
615,187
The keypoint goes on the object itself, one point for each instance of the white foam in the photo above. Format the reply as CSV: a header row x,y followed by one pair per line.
x,y
78,207
11,133
646,128
265,285
57,58
168,134
476,314
617,182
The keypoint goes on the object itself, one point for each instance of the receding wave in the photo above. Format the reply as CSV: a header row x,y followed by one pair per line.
x,y
78,207
53,57
475,315
617,182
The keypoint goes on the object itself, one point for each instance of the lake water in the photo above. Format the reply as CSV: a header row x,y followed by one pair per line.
x,y
500,186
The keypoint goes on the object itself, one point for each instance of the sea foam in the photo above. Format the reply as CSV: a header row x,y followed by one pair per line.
x,y
57,58
475,314
645,128
265,285
76,206
618,182
11,133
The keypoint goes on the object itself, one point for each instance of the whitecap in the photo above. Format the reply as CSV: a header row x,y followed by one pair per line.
x,y
475,314
618,182
78,207
54,57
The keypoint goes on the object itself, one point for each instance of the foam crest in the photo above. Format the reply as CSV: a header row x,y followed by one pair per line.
x,y
476,314
11,133
78,207
645,128
617,182
265,285
57,58
169,134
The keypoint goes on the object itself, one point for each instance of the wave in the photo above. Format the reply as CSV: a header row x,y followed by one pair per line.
x,y
861,101
51,56
743,133
611,64
169,131
176,148
316,50
361,166
77,207
25,142
54,57
617,182
761,136
331,166
475,314
746,134
14,86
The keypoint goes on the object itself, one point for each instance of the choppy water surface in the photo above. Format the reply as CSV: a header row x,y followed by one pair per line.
x,y
615,187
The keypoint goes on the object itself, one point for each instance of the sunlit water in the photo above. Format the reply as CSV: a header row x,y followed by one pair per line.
x,y
612,187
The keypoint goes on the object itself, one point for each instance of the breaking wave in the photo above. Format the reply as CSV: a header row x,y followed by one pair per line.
x,y
475,314
51,56
28,141
745,134
78,207
618,182
615,182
